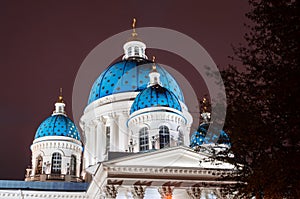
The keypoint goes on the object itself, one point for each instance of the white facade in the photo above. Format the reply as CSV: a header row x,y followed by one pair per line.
x,y
125,154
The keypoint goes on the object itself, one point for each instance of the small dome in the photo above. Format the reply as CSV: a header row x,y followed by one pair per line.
x,y
130,75
198,137
201,136
155,96
57,125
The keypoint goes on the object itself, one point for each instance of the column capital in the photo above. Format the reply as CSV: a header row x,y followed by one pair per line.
x,y
194,192
112,118
111,191
123,114
166,192
112,115
138,191
99,120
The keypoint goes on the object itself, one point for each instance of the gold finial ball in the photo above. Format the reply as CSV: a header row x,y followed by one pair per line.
x,y
60,97
153,58
154,65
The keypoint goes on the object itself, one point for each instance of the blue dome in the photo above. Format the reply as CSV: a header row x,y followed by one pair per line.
x,y
155,96
57,125
129,76
198,137
201,136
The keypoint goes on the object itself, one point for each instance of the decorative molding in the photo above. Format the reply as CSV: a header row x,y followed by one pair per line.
x,y
155,116
56,145
174,171
40,194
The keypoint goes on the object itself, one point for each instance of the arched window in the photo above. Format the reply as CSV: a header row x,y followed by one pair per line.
x,y
136,51
164,136
56,163
144,139
73,165
39,165
130,51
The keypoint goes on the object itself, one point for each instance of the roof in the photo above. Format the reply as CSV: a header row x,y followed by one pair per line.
x,y
57,125
155,96
45,186
179,157
131,75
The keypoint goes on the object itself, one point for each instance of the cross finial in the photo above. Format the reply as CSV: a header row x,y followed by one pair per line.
x,y
204,113
134,34
60,97
133,23
204,102
154,65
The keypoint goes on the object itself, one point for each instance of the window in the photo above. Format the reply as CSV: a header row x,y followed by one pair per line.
x,y
73,165
164,136
144,139
39,165
136,51
56,163
130,51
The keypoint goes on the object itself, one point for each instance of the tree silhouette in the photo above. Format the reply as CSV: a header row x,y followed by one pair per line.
x,y
263,114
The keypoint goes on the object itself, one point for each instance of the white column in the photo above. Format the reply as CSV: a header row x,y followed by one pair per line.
x,y
88,146
101,139
180,193
78,160
111,122
92,126
33,161
123,132
85,153
187,136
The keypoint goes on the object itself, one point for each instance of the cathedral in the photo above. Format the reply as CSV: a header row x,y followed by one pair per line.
x,y
134,141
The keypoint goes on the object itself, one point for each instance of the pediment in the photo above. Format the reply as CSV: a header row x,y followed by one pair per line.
x,y
179,157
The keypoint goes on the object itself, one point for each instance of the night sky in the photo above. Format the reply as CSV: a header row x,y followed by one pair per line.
x,y
43,43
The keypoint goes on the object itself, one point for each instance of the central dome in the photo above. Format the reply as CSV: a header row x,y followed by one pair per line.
x,y
131,75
